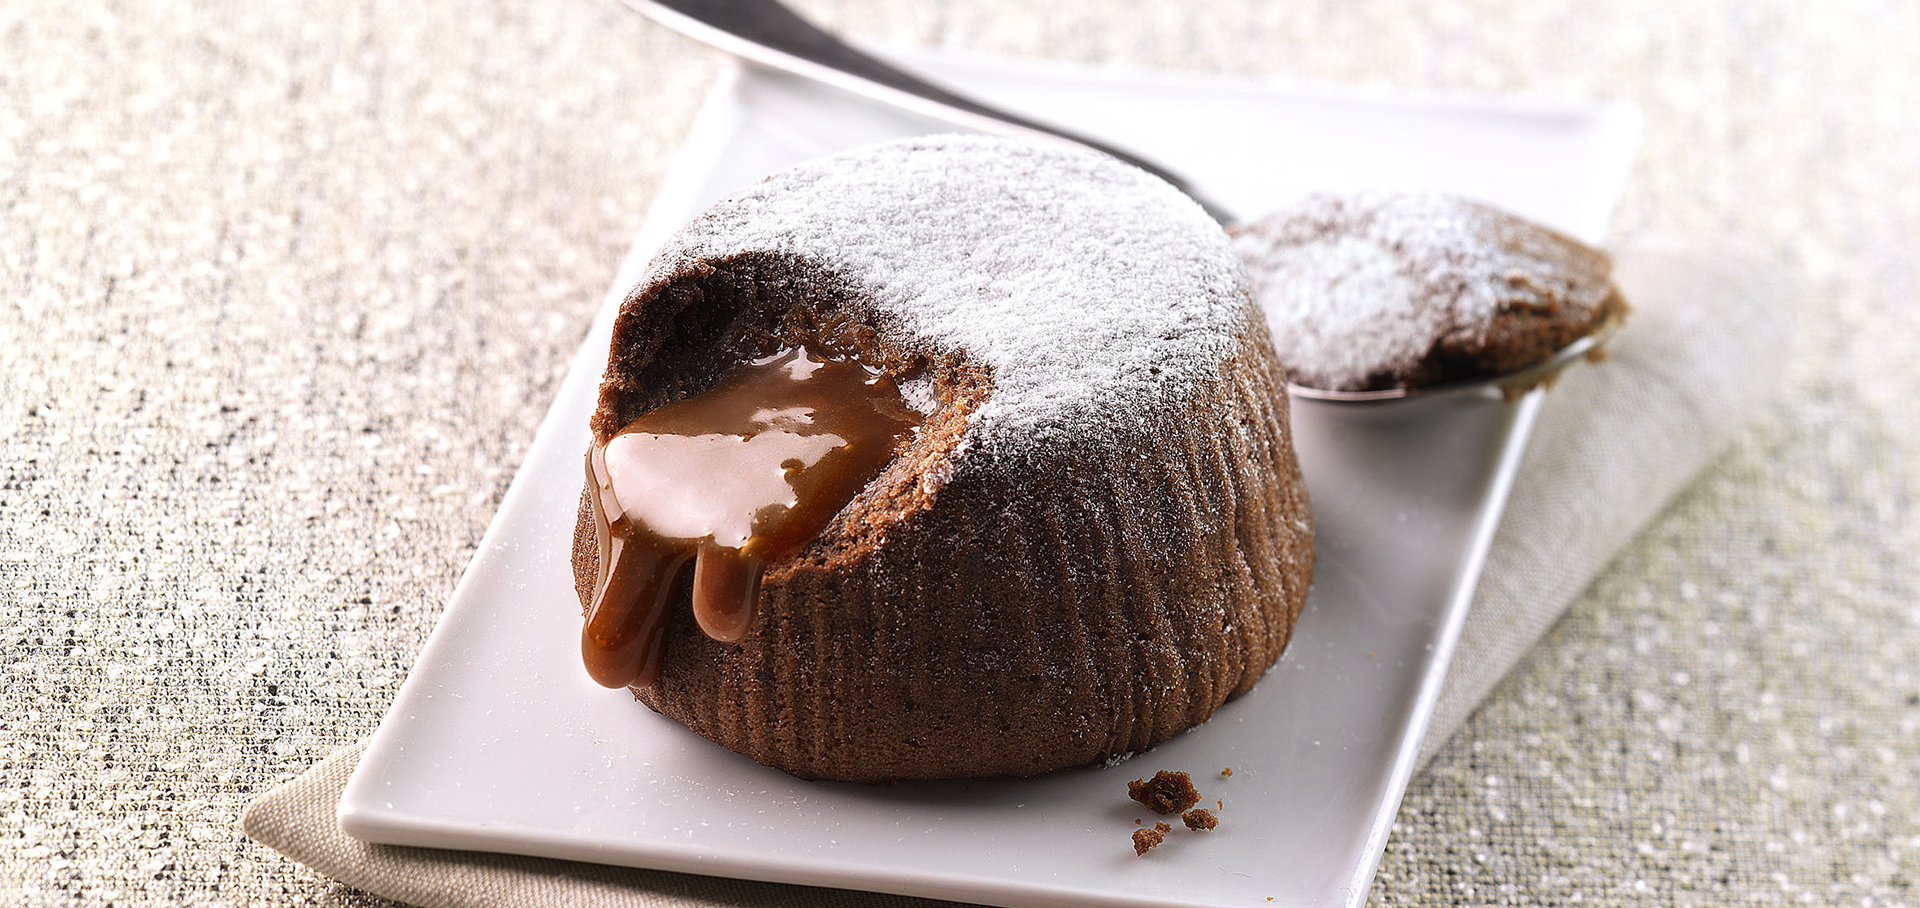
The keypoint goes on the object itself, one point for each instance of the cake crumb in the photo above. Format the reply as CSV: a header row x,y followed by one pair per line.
x,y
1144,840
1199,819
1219,805
1166,792
1226,772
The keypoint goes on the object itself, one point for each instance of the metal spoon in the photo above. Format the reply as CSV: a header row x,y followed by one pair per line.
x,y
768,33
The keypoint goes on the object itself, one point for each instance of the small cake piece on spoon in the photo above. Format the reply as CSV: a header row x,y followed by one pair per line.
x,y
1377,291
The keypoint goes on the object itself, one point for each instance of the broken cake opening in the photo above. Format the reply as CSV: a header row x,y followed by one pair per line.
x,y
725,481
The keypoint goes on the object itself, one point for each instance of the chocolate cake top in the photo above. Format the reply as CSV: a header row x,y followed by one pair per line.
x,y
1094,293
1378,290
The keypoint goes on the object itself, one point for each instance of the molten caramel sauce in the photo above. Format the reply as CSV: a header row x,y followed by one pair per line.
x,y
729,479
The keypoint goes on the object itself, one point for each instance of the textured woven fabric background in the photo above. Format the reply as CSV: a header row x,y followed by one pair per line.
x,y
285,288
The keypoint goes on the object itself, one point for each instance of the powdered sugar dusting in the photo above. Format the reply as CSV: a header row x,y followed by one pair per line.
x,y
1344,301
918,393
1094,292
1359,289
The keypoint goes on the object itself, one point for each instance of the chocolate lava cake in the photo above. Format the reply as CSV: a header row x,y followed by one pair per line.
x,y
1096,532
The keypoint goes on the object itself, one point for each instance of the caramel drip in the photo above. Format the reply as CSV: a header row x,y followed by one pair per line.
x,y
731,479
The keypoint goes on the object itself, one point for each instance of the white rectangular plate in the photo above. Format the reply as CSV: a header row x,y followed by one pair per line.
x,y
499,742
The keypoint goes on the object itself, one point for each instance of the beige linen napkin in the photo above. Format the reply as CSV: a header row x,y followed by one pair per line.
x,y
1697,360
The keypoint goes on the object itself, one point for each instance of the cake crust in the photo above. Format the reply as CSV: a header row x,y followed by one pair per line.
x,y
1099,533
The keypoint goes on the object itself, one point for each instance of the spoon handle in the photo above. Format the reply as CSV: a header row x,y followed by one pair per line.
x,y
768,33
